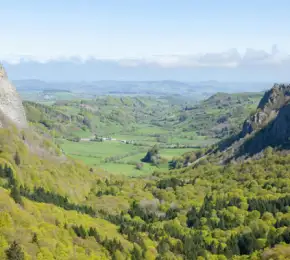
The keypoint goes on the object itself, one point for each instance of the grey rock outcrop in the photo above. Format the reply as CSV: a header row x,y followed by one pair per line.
x,y
268,126
268,108
11,108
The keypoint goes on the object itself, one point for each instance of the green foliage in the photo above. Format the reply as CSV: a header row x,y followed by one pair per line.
x,y
210,210
152,156
40,195
138,121
221,115
15,194
136,253
70,211
139,166
14,252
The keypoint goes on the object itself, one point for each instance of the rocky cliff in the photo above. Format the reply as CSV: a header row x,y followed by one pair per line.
x,y
11,108
268,126
268,108
275,134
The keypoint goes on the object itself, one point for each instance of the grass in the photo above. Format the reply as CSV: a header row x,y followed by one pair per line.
x,y
196,141
170,153
97,150
135,137
133,158
147,130
83,134
165,153
95,153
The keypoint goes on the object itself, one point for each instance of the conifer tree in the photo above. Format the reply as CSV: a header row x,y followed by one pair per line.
x,y
14,252
15,194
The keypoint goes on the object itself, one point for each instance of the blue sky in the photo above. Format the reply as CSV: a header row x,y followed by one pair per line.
x,y
141,28
154,39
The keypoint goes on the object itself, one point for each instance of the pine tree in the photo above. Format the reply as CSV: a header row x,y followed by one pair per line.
x,y
193,218
2,172
17,159
137,253
15,194
34,238
14,252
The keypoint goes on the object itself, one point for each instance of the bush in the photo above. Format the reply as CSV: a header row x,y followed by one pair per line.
x,y
139,166
75,139
152,155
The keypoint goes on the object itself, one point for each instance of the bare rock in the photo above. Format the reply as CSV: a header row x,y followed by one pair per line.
x,y
10,103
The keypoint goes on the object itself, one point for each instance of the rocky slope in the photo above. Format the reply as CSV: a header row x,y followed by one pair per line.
x,y
275,134
11,108
268,126
268,108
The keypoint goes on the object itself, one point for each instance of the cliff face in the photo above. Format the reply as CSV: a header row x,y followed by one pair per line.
x,y
11,108
268,126
268,108
275,134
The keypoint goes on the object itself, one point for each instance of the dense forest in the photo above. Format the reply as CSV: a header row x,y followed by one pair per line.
x,y
74,212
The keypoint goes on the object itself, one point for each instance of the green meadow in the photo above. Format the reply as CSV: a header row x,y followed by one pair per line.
x,y
116,157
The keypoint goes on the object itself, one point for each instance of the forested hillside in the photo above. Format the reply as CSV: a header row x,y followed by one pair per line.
x,y
218,116
103,116
221,115
56,207
72,212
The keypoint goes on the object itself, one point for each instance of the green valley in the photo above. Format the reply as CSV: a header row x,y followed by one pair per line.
x,y
114,133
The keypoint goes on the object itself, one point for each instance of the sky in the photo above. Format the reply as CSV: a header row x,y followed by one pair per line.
x,y
155,34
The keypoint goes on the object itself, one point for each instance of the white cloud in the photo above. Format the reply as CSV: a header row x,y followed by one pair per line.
x,y
260,57
227,59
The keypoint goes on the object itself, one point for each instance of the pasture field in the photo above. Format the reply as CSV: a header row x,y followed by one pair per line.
x,y
133,158
116,157
132,136
150,130
170,153
97,150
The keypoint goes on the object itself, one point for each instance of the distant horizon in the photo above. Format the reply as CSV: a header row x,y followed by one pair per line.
x,y
144,81
141,87
100,70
